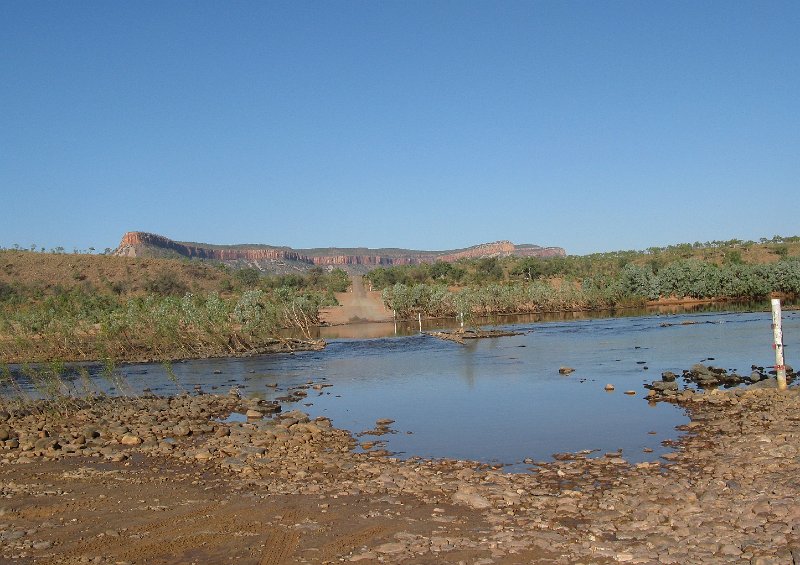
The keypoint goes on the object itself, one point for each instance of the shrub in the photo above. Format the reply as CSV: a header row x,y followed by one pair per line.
x,y
166,283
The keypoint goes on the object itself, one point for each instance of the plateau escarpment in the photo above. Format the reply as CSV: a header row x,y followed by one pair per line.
x,y
143,244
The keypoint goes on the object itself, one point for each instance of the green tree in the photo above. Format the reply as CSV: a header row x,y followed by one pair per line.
x,y
248,276
529,268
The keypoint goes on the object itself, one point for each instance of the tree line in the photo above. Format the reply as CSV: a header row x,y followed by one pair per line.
x,y
610,280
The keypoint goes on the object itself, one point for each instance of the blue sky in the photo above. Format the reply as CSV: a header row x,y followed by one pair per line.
x,y
594,126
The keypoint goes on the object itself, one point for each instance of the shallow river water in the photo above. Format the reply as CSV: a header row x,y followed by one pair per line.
x,y
500,400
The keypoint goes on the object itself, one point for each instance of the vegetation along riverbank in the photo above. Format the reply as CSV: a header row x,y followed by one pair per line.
x,y
73,307
710,271
70,307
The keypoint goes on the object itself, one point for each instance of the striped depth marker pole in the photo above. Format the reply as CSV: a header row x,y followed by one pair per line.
x,y
777,336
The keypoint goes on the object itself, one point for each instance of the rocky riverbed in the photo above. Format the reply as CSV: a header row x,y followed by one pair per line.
x,y
174,480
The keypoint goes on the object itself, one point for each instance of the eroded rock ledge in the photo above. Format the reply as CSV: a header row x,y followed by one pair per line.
x,y
134,244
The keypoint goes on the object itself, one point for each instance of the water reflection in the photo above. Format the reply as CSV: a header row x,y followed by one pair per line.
x,y
370,330
498,399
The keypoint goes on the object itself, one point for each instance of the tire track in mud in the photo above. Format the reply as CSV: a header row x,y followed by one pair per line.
x,y
280,543
279,546
345,544
173,535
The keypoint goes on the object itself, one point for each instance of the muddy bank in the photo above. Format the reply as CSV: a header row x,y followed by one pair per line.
x,y
169,480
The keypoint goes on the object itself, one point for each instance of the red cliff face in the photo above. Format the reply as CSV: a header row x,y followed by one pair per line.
x,y
496,249
134,244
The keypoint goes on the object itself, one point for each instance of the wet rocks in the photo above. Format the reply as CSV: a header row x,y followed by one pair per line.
x,y
565,371
663,386
708,378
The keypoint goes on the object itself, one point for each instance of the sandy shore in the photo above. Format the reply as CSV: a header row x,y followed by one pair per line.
x,y
162,480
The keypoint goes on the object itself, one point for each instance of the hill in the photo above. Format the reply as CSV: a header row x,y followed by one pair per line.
x,y
45,274
270,258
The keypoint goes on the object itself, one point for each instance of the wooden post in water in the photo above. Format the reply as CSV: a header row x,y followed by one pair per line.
x,y
777,336
420,322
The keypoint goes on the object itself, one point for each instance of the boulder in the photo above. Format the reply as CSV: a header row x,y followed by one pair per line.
x,y
130,439
661,386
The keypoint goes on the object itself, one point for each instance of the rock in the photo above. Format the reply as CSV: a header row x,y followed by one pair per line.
x,y
755,376
270,408
473,500
609,387
661,386
130,439
630,392
668,376
566,370
182,430
384,422
254,414
700,369
391,548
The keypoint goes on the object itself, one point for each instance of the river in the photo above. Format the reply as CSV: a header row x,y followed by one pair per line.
x,y
499,400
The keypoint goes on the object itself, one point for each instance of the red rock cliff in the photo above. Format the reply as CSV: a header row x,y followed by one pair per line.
x,y
135,243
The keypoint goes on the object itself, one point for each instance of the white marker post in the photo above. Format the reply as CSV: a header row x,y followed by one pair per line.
x,y
777,336
420,322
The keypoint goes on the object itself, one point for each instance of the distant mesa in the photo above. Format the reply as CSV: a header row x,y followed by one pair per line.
x,y
272,258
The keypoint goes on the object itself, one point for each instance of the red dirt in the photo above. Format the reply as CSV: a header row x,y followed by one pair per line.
x,y
357,305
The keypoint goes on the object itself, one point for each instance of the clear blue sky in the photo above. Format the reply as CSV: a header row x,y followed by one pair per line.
x,y
590,125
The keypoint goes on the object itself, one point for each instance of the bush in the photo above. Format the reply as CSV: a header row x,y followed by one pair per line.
x,y
248,277
7,292
166,283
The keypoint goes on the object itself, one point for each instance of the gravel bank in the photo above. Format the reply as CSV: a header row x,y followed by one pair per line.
x,y
727,494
